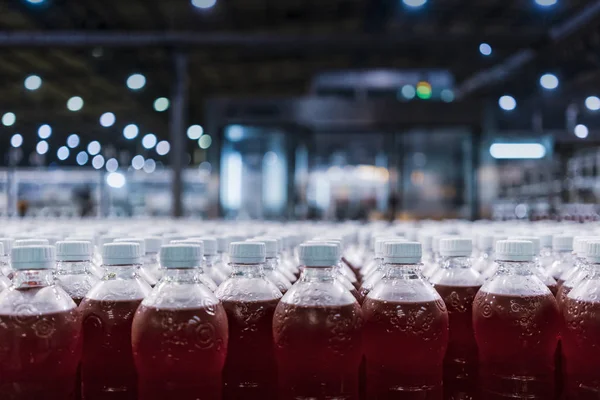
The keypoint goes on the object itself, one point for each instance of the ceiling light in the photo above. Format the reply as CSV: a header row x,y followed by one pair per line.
x,y
414,3
161,104
107,119
592,103
137,162
44,131
194,132
517,150
136,81
149,166
98,162
485,49
149,141
545,3
163,147
73,140
112,165
203,3
131,131
42,147
115,180
94,148
507,103
63,153
581,131
16,140
75,103
204,142
9,119
82,158
549,81
33,82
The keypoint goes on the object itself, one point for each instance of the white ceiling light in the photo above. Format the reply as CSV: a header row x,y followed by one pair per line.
x,y
73,140
44,131
163,147
149,166
131,131
107,119
42,147
75,103
447,95
204,142
581,131
82,158
115,180
194,132
507,103
137,162
161,104
485,49
203,3
136,81
33,82
549,81
63,153
94,148
112,165
414,3
149,140
98,162
513,151
9,119
16,140
592,103
545,3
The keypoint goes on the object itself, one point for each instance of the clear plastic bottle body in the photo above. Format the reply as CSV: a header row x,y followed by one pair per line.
x,y
484,261
516,322
212,269
371,280
249,299
405,335
76,278
563,261
181,319
108,310
581,336
544,276
5,268
458,282
317,332
287,272
274,275
546,257
40,339
152,267
222,262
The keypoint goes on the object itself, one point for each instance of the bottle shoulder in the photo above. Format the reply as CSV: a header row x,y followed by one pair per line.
x,y
404,290
120,289
175,295
514,284
35,301
328,293
257,288
457,277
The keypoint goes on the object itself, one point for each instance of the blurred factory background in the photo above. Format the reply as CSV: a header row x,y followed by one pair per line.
x,y
296,109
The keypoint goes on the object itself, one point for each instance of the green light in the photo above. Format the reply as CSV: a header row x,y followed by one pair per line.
x,y
424,90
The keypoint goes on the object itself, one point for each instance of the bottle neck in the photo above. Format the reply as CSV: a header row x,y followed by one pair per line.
x,y
113,272
72,267
211,260
456,262
402,271
318,274
247,270
151,258
515,267
181,275
270,264
32,278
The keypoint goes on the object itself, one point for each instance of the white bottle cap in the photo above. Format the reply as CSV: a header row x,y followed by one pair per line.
x,y
426,240
153,244
592,251
533,239
435,242
7,245
140,241
196,242
456,247
270,246
485,241
514,250
338,245
319,254
402,252
33,257
121,253
562,243
247,252
545,239
104,239
210,245
74,251
188,255
31,242
580,244
381,241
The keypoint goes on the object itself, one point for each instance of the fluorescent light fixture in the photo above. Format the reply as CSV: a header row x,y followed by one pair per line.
x,y
517,151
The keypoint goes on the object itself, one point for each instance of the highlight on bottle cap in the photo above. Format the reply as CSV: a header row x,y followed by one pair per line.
x,y
31,242
381,241
153,243
426,239
562,242
514,250
533,239
183,255
319,254
456,247
270,246
33,257
74,251
580,244
402,252
140,241
210,245
121,253
247,252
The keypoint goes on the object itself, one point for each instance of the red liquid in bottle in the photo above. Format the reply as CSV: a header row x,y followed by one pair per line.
x,y
250,369
318,351
581,348
461,360
39,355
517,338
405,343
180,353
108,371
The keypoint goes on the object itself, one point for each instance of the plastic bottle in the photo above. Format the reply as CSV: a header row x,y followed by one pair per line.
x,y
73,268
580,271
485,243
317,331
31,242
144,271
516,324
458,282
426,240
581,331
180,333
5,265
546,256
377,273
562,245
538,270
211,266
201,275
108,371
287,270
270,267
249,299
40,331
406,330
436,258
151,258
